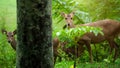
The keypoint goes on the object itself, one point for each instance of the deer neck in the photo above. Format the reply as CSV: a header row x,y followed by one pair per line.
x,y
13,44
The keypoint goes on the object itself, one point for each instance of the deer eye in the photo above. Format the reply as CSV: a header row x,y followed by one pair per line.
x,y
7,35
65,18
71,18
12,35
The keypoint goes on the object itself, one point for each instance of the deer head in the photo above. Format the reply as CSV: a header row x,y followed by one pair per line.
x,y
69,19
10,37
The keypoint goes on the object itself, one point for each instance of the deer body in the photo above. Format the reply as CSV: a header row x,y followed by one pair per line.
x,y
110,28
71,50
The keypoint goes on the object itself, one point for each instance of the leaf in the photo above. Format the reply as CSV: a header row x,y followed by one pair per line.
x,y
69,35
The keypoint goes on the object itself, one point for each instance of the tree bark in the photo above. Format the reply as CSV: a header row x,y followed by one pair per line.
x,y
34,34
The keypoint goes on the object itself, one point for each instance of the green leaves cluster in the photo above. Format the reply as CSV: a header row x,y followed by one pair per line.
x,y
103,9
74,34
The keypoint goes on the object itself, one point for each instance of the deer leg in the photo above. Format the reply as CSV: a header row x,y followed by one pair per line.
x,y
115,46
76,56
54,59
89,50
116,51
111,46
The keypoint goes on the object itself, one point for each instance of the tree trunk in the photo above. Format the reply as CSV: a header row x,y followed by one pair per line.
x,y
34,31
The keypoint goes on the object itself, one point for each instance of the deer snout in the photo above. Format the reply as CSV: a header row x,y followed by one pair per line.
x,y
10,40
68,24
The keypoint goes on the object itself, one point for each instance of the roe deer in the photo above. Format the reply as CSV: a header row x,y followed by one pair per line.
x,y
13,43
10,38
70,50
61,45
110,28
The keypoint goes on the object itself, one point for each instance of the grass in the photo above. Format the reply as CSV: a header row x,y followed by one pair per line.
x,y
69,64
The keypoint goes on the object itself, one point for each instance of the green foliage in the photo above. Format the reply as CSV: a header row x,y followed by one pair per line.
x,y
8,14
64,64
7,54
69,64
107,9
73,35
117,61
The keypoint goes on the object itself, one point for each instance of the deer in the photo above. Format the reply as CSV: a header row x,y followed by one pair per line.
x,y
69,51
110,29
56,42
10,38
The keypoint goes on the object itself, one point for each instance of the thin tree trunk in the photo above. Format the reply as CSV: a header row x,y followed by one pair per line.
x,y
34,48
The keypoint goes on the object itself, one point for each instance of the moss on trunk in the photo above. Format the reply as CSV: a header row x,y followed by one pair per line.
x,y
34,49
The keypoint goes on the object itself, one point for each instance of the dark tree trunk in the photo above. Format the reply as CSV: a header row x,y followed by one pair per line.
x,y
34,49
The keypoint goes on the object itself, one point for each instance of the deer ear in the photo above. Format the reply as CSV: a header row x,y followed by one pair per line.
x,y
63,14
14,32
72,13
4,31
